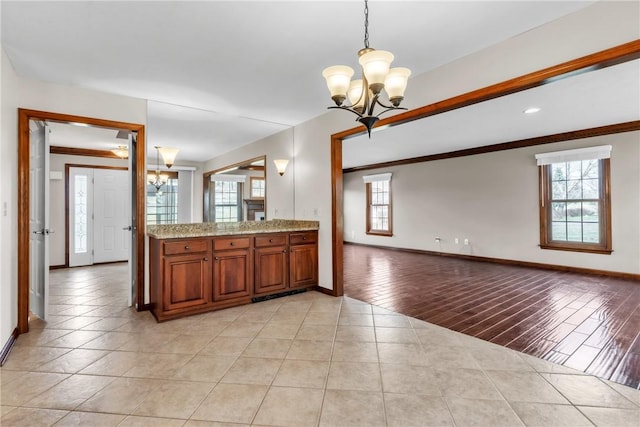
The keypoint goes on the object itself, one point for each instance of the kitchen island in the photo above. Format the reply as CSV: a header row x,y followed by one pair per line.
x,y
194,268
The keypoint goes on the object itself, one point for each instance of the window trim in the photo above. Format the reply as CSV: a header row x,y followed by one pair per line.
x,y
605,247
369,230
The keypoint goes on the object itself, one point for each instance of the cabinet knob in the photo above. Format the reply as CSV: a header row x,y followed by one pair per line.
x,y
231,244
186,247
284,252
205,259
270,240
217,258
304,237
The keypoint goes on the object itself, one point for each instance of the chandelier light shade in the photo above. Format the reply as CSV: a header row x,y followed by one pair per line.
x,y
122,151
377,77
168,157
281,165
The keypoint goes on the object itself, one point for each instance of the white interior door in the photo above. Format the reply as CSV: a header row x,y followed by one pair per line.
x,y
80,216
111,211
39,219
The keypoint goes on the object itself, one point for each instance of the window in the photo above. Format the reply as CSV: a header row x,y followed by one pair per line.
x,y
162,204
378,188
257,187
227,201
575,200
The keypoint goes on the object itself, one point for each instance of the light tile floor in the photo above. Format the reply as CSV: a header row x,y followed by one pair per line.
x,y
303,360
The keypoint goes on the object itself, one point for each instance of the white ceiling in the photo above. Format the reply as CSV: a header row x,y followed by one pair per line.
x,y
596,98
222,74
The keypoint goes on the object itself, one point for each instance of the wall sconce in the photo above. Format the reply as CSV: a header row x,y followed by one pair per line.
x,y
281,165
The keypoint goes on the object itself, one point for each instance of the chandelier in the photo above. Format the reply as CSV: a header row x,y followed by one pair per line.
x,y
122,151
168,157
364,94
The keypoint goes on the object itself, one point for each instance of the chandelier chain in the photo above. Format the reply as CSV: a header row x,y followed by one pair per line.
x,y
366,24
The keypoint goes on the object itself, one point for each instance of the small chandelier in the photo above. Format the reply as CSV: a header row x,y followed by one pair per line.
x,y
122,151
376,76
168,157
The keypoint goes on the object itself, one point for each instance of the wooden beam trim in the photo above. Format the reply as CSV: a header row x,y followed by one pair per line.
x,y
522,143
72,151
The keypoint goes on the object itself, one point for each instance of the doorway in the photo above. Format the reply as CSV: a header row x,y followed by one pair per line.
x,y
137,160
98,214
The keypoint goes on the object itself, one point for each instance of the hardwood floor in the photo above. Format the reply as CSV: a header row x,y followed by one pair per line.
x,y
586,322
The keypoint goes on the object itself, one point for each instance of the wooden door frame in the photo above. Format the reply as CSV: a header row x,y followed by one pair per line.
x,y
24,115
605,58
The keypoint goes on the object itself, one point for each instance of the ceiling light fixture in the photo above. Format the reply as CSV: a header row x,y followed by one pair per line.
x,y
122,151
376,76
531,110
168,157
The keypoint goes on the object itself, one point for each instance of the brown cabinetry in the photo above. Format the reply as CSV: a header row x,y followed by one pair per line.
x,y
207,273
231,270
303,259
271,270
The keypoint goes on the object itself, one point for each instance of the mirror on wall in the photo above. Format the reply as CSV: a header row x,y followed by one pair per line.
x,y
236,192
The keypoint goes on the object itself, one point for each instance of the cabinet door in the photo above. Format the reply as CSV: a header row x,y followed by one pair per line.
x,y
271,269
186,280
303,265
232,278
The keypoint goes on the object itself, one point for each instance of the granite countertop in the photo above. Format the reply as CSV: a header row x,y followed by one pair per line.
x,y
210,229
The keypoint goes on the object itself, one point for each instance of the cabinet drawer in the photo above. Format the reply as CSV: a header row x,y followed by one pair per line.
x,y
185,247
231,243
273,240
301,238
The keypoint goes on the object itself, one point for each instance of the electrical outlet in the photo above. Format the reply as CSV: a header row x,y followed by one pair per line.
x,y
466,241
456,240
438,239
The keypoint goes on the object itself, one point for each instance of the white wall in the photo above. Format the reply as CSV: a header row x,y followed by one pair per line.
x,y
492,200
17,93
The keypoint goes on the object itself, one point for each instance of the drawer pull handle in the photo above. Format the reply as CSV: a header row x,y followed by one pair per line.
x,y
205,259
186,247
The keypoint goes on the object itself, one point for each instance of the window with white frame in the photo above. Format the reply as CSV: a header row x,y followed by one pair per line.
x,y
575,207
257,187
162,203
378,189
227,197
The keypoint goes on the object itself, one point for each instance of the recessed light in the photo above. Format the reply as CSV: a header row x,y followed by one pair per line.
x,y
531,110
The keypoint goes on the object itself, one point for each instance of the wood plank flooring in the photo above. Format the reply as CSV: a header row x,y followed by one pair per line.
x,y
586,322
